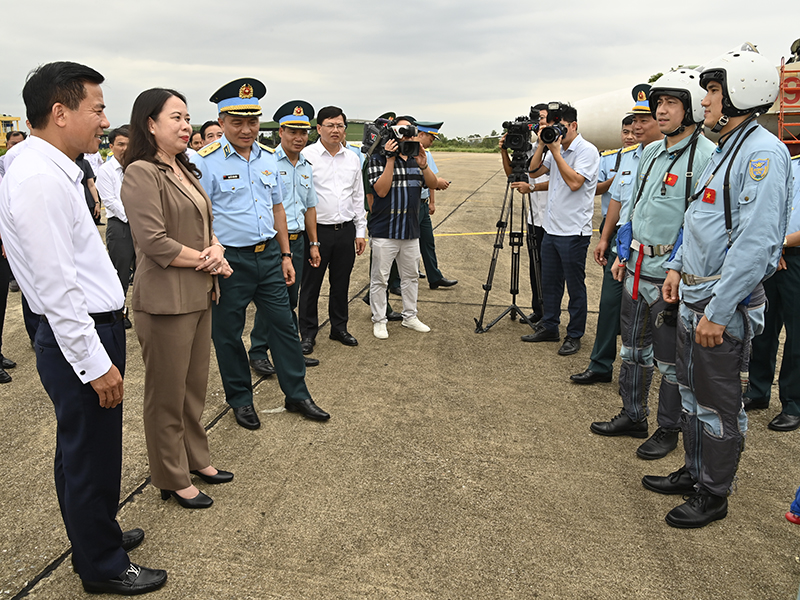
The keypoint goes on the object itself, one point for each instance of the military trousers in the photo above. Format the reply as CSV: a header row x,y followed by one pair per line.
x,y
604,350
258,278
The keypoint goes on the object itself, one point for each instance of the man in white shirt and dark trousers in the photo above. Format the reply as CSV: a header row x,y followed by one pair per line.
x,y
118,232
341,228
63,270
573,164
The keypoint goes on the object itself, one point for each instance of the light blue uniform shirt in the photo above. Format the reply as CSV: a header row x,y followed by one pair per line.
x,y
607,162
298,189
361,156
242,193
568,212
426,193
794,216
622,188
656,218
760,191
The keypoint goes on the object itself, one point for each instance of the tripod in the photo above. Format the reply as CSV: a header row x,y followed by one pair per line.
x,y
515,240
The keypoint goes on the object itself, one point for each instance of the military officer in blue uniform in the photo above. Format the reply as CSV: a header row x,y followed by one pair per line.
x,y
732,237
782,291
645,130
299,202
648,323
242,179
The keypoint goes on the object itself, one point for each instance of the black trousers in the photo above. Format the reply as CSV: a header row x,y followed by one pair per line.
x,y
120,250
538,234
5,276
88,462
337,252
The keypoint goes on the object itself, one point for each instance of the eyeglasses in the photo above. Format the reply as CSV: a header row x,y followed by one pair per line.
x,y
336,126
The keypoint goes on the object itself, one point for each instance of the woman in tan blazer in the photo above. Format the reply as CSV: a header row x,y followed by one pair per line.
x,y
177,261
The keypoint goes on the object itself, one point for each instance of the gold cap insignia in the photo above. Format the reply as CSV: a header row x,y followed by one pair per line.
x,y
246,91
298,111
642,96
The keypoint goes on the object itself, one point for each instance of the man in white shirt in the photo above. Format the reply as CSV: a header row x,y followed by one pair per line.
x,y
118,232
57,255
341,228
573,164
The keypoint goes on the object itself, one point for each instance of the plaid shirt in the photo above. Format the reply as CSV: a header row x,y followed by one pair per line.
x,y
396,216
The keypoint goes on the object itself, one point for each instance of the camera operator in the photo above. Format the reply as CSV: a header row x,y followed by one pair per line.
x,y
538,200
397,177
573,164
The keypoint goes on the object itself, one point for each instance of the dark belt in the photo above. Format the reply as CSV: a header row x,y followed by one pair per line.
x,y
336,226
792,250
295,236
259,247
106,318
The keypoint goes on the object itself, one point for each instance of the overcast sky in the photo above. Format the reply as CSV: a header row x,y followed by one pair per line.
x,y
472,64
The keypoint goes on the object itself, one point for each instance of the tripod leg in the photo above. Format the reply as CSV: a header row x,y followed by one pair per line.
x,y
502,224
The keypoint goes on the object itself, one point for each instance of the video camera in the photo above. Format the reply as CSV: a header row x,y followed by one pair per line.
x,y
552,132
518,140
382,130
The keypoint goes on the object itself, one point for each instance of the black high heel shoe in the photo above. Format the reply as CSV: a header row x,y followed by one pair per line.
x,y
199,501
220,477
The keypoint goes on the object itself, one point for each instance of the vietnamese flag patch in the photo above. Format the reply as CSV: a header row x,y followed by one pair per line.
x,y
670,179
709,196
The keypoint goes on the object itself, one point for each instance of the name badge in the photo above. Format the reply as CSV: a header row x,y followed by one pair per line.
x,y
230,177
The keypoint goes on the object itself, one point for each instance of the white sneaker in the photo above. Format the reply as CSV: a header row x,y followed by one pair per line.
x,y
417,325
379,331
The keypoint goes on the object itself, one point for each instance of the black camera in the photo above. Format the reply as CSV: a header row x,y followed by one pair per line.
x,y
552,132
518,134
381,131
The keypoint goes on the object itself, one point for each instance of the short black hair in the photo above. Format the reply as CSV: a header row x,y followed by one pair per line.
x,y
408,118
11,134
540,106
330,112
57,82
628,120
194,133
569,113
206,125
121,131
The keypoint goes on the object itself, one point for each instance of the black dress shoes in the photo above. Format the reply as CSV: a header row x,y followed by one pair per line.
x,y
533,318
220,477
784,422
131,539
199,501
246,416
134,580
620,425
755,404
311,362
700,509
4,376
394,316
7,363
679,482
443,283
307,344
395,290
308,409
570,346
588,377
421,275
343,337
262,366
661,443
541,334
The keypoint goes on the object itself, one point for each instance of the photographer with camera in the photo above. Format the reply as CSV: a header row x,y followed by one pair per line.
x,y
573,164
397,173
538,200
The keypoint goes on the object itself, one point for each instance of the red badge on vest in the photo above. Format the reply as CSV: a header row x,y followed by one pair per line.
x,y
709,196
670,179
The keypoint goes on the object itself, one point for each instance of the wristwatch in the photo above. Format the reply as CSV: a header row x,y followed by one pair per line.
x,y
286,255
314,244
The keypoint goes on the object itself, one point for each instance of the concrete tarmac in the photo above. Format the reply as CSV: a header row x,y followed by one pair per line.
x,y
455,465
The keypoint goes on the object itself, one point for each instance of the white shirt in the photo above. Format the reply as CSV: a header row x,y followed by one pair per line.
x,y
57,254
339,187
568,212
96,160
9,156
109,181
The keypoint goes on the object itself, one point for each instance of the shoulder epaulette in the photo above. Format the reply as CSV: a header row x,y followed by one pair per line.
x,y
267,148
629,148
206,150
610,152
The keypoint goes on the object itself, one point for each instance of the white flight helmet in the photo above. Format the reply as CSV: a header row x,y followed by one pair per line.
x,y
749,81
683,84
